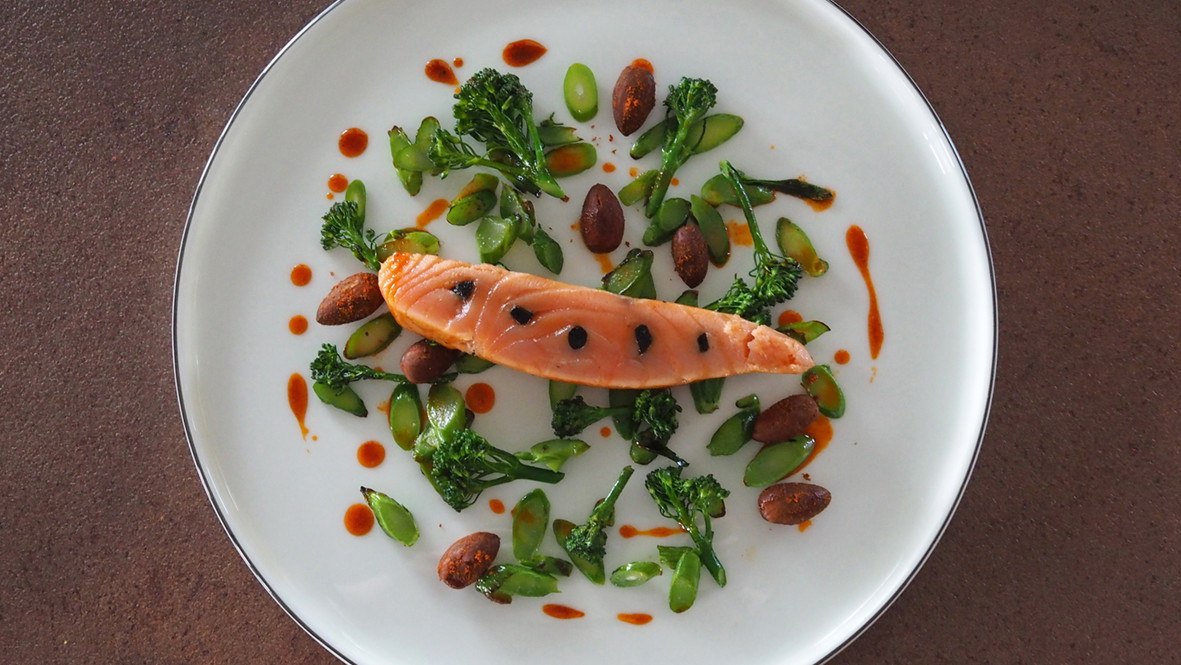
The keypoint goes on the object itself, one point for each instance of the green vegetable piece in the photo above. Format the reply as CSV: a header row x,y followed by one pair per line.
x,y
463,464
712,131
481,182
372,337
686,103
548,251
735,431
426,132
688,297
801,189
581,92
530,520
345,399
670,555
472,364
776,461
638,189
355,193
554,452
671,216
568,160
640,454
553,133
651,139
393,518
633,276
560,390
592,569
794,242
445,409
624,421
411,180
707,393
822,386
345,227
717,190
414,159
410,241
494,237
682,592
804,331
709,220
693,503
405,415
504,582
587,542
467,209
635,573
552,565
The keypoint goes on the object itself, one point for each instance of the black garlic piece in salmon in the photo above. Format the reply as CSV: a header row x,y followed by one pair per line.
x,y
577,337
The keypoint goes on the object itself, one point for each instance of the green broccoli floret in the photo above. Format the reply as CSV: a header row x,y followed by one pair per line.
x,y
690,501
465,464
775,276
344,226
687,102
335,372
573,415
589,539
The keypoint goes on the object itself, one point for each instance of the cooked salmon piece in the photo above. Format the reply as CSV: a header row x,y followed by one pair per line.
x,y
574,333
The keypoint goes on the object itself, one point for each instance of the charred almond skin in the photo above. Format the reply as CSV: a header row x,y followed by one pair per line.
x,y
352,299
785,419
468,558
601,223
633,99
424,361
793,503
690,255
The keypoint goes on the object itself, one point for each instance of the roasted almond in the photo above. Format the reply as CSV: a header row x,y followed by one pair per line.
x,y
634,98
690,254
424,361
793,503
468,558
601,223
785,419
352,299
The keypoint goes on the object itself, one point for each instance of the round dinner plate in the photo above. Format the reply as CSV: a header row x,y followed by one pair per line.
x,y
820,98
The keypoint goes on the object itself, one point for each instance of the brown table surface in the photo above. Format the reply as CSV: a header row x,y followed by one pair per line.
x,y
1065,548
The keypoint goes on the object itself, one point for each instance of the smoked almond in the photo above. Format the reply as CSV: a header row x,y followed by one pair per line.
x,y
601,223
352,299
468,558
793,503
634,98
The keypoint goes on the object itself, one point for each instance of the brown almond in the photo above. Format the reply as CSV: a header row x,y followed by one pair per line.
x,y
352,299
690,255
468,558
793,503
785,419
633,99
424,361
601,223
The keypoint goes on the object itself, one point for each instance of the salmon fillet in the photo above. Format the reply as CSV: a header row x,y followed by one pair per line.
x,y
574,333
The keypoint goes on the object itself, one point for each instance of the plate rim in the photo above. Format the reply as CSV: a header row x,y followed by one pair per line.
x,y
323,642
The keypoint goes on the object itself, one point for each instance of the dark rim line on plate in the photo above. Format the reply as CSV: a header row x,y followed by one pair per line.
x,y
322,641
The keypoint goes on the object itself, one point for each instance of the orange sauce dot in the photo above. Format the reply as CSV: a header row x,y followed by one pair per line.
x,y
384,407
297,399
605,263
298,325
636,619
496,506
301,275
522,52
370,454
562,611
739,234
803,526
353,142
480,397
337,183
605,432
633,172
458,62
440,72
358,519
674,182
434,211
789,316
841,357
608,167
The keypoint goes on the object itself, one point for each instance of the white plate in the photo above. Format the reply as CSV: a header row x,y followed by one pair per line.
x,y
820,97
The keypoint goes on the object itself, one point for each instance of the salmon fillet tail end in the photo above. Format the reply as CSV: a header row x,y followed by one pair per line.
x,y
772,352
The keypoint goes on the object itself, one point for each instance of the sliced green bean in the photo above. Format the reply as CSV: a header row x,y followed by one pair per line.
x,y
735,431
405,415
553,133
707,394
393,518
466,209
651,139
804,331
494,237
625,423
560,390
709,220
776,461
682,592
718,190
568,160
410,241
468,363
345,399
672,215
714,130
551,565
355,193
372,337
411,180
554,452
635,573
530,521
507,580
638,189
688,297
640,454
548,251
670,555
633,276
822,385
594,570
445,409
795,243
580,92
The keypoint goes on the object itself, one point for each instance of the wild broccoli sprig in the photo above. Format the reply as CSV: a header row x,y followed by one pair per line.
x,y
464,464
589,539
693,503
337,373
345,227
687,102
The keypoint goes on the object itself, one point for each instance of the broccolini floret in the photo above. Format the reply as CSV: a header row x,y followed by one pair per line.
x,y
335,372
464,464
687,102
344,226
589,539
692,502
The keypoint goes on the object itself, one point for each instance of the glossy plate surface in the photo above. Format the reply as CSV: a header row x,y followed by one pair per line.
x,y
820,98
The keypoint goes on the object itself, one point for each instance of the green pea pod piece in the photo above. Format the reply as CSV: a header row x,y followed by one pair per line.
x,y
776,461
507,580
560,390
372,337
426,132
548,251
393,518
568,160
494,237
712,131
413,158
624,422
640,454
405,415
411,180
823,387
355,193
688,297
580,92
801,189
553,133
530,520
804,331
709,220
652,139
718,190
633,276
594,570
638,189
554,452
670,555
707,393
346,399
472,364
672,215
467,209
518,208
445,408
735,431
410,241
682,591
635,573
794,242
551,565
425,445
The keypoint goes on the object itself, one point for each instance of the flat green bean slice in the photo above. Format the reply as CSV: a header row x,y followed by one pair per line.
x,y
638,189
568,160
445,409
624,422
411,180
551,565
672,215
822,385
670,555
714,130
735,431
554,452
594,570
530,521
640,454
410,241
795,243
707,394
688,297
507,580
372,337
682,592
345,399
467,209
548,251
709,220
633,276
553,133
494,237
405,415
472,364
356,193
776,461
580,92
560,390
393,518
635,573
804,331
718,190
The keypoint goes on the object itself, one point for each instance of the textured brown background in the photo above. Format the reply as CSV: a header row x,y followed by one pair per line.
x,y
1064,549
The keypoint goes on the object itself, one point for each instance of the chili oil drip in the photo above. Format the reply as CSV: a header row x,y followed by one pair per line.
x,y
859,249
523,52
562,611
440,71
297,399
